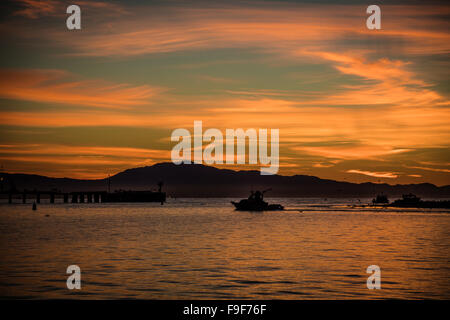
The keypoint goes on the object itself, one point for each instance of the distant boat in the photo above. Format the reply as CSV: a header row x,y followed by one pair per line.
x,y
409,199
135,196
412,201
380,199
255,202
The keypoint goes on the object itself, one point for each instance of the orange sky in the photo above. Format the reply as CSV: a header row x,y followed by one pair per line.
x,y
351,103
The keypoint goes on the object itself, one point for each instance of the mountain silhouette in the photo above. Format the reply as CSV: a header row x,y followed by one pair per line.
x,y
196,180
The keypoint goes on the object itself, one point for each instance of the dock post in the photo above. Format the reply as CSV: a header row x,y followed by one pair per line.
x,y
96,197
66,197
81,197
52,197
24,197
74,197
38,197
89,197
10,198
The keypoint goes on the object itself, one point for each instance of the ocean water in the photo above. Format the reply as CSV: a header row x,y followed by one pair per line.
x,y
203,249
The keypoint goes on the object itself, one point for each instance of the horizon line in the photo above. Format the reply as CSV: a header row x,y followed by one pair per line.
x,y
224,169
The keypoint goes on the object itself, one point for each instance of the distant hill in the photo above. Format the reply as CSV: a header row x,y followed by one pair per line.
x,y
205,181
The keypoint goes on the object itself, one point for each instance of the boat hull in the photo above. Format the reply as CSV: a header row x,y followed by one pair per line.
x,y
245,205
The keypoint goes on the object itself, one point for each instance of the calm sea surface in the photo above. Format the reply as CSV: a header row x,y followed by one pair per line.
x,y
203,249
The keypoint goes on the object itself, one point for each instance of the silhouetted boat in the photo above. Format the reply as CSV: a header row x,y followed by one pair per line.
x,y
136,196
380,199
412,201
255,202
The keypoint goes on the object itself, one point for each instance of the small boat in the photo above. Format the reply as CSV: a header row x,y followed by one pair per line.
x,y
380,199
255,202
412,201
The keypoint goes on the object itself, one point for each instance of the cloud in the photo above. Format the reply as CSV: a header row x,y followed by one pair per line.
x,y
59,86
77,118
280,28
57,160
324,165
387,82
389,175
33,9
49,149
429,169
346,152
217,79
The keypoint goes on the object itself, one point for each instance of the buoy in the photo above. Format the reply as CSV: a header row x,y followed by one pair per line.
x,y
34,206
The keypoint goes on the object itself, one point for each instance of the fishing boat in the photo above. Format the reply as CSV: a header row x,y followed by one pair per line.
x,y
380,199
412,201
255,202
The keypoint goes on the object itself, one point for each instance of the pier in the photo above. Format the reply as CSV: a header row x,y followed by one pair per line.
x,y
83,196
66,197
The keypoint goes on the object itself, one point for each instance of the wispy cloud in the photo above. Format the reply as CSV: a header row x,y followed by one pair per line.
x,y
389,175
386,82
351,152
34,9
60,159
429,169
59,86
78,118
281,28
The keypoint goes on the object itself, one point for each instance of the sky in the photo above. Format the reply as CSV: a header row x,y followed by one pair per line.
x,y
351,104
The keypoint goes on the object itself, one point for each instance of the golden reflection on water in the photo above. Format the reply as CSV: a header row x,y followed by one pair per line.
x,y
204,249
